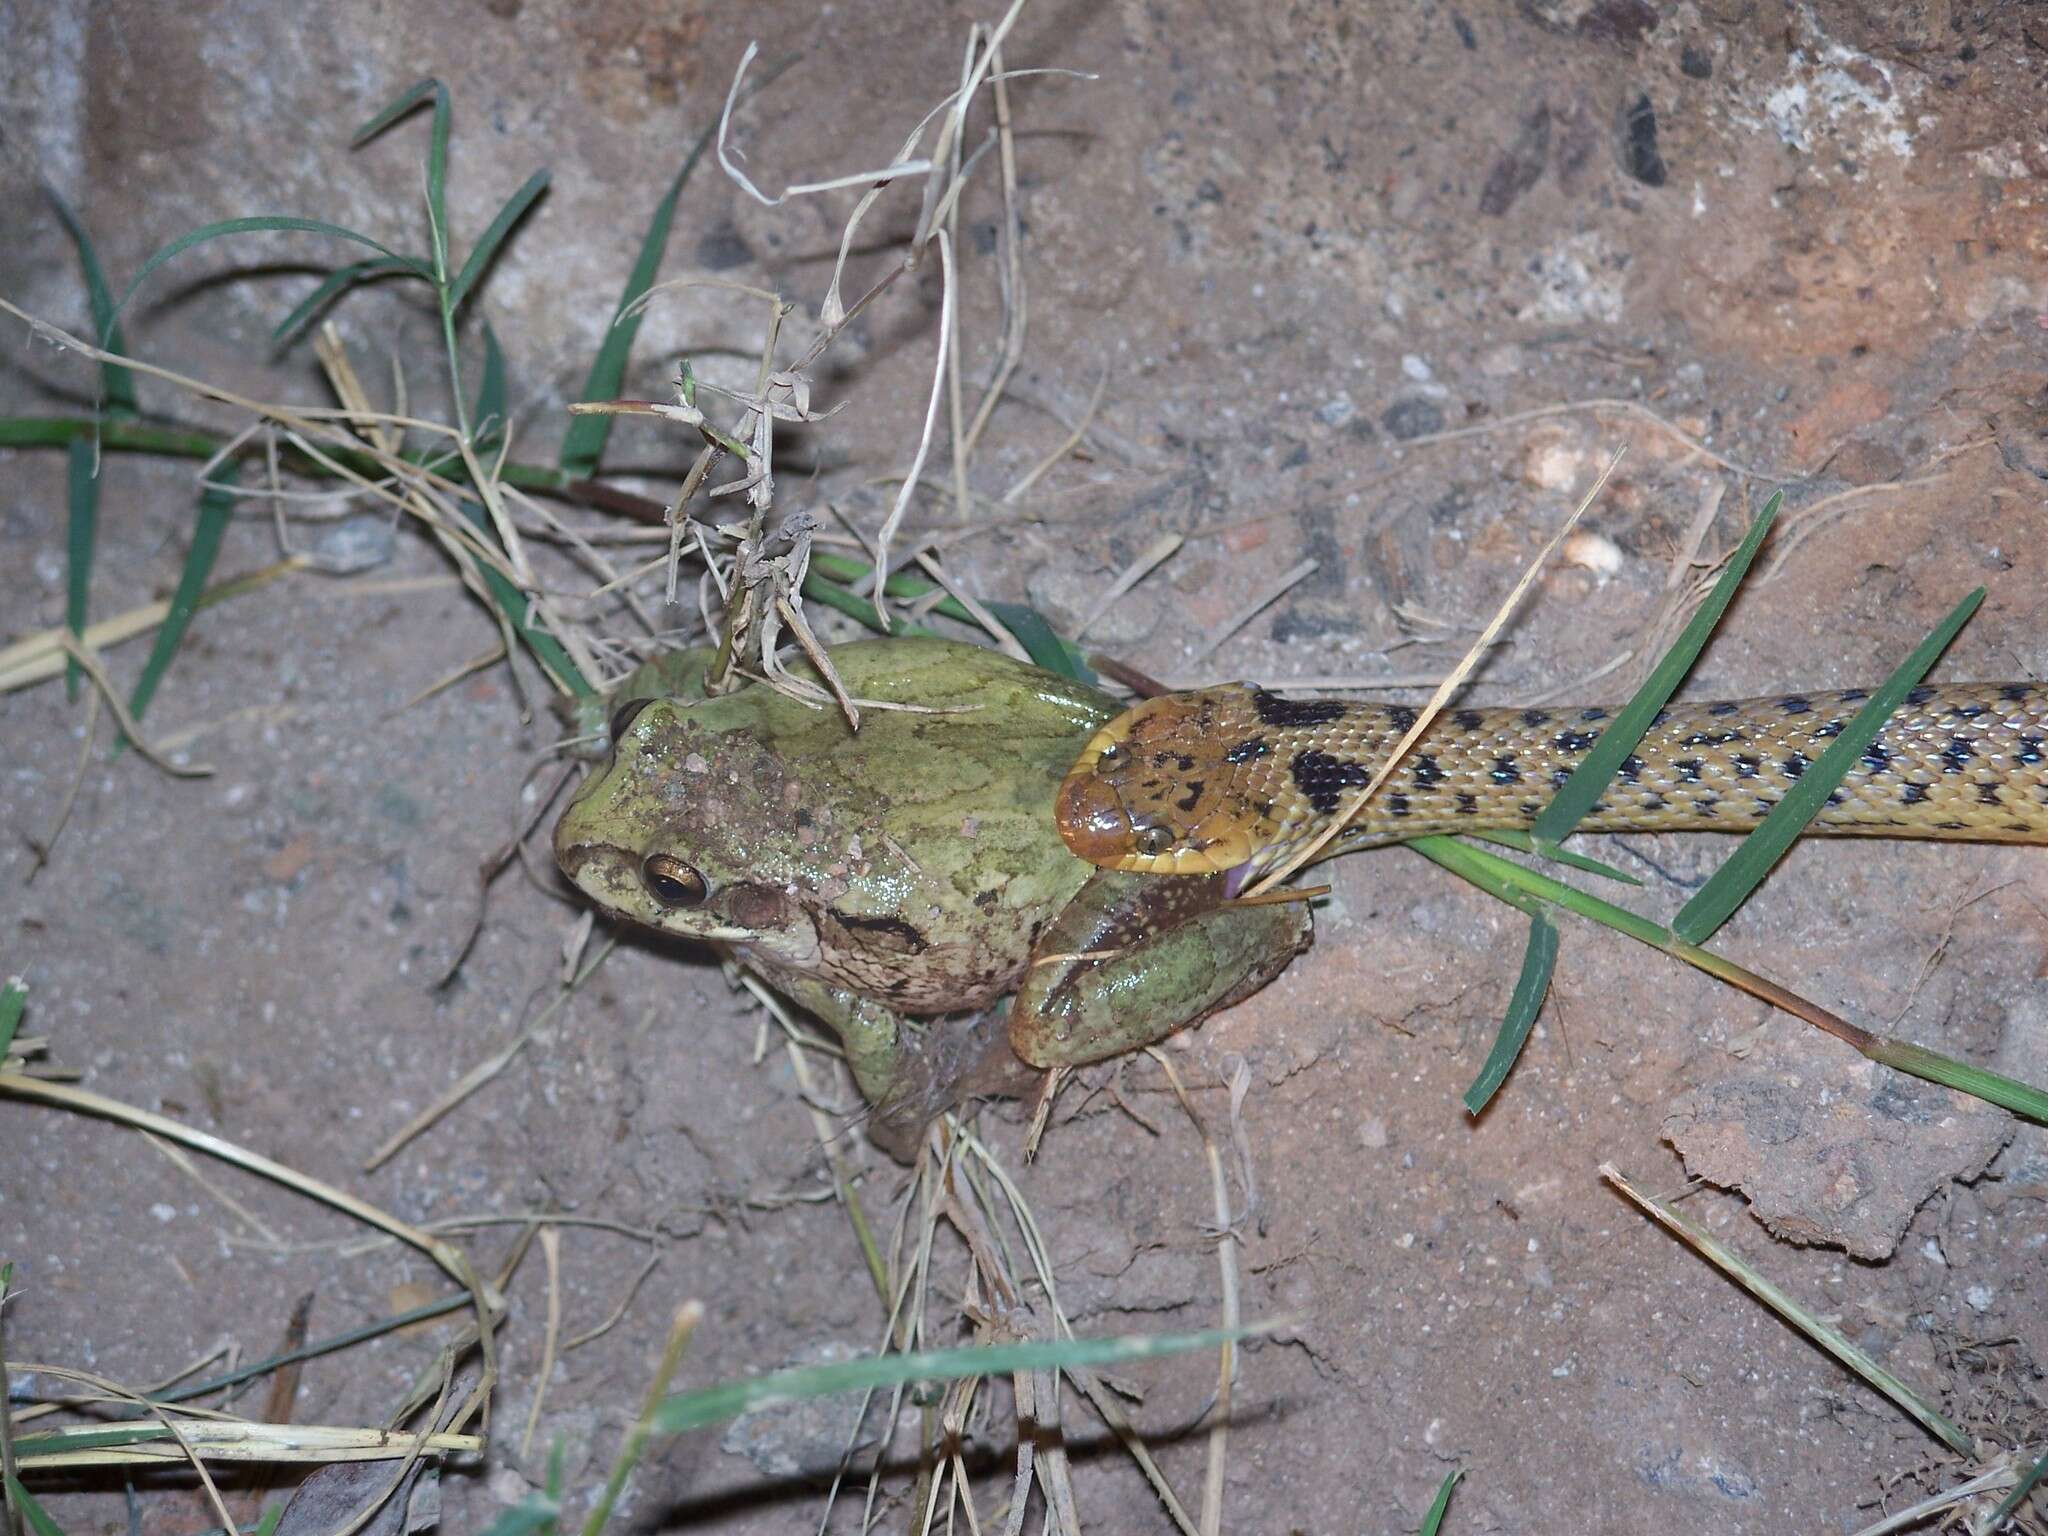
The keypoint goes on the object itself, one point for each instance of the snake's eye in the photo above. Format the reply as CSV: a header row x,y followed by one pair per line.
x,y
624,716
672,882
1154,840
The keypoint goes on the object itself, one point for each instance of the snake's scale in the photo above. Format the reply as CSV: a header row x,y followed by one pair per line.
x,y
1237,777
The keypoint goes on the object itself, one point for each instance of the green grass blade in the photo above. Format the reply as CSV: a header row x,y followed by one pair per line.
x,y
2010,1504
489,420
50,1442
710,1405
13,1000
1729,886
533,1515
494,235
33,1515
433,90
117,384
255,223
1522,842
215,503
335,283
437,140
512,602
583,444
1538,960
1041,644
1590,779
1530,891
81,526
1433,1522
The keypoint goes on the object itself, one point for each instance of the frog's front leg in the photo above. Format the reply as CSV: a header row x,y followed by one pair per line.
x,y
1132,958
909,1070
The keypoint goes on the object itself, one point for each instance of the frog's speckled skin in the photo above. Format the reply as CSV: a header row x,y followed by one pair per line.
x,y
1238,777
910,868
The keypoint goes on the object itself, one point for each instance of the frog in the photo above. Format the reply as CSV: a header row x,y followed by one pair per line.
x,y
899,880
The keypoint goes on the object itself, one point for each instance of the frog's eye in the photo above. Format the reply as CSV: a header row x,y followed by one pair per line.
x,y
624,716
1153,840
1109,757
672,882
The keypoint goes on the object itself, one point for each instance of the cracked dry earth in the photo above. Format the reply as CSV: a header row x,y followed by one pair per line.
x,y
1301,245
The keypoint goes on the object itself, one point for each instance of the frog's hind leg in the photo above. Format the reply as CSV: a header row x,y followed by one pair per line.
x,y
1134,957
910,1071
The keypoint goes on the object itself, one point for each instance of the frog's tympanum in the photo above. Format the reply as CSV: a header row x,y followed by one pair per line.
x,y
909,871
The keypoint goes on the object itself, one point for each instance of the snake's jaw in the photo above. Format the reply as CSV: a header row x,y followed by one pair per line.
x,y
1092,819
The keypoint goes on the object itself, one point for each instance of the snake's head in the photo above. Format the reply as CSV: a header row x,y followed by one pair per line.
x,y
1152,793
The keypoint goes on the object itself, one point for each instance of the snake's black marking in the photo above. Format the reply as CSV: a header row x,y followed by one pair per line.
x,y
1919,695
1397,805
1955,757
1468,805
1967,711
1796,704
1855,695
1245,751
1654,802
1727,708
1593,714
1283,714
1746,766
2030,750
1559,777
1428,771
1832,728
1706,805
1631,769
2016,693
1911,793
1688,770
1505,771
1795,764
1193,797
1323,777
1987,794
1711,738
1535,717
1400,716
1469,719
1876,757
1573,741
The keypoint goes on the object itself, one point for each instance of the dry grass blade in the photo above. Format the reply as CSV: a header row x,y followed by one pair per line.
x,y
63,1096
89,664
1267,596
1448,687
740,178
1829,1339
241,1441
1159,550
551,1255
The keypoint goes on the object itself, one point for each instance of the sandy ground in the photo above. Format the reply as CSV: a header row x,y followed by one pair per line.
x,y
1298,246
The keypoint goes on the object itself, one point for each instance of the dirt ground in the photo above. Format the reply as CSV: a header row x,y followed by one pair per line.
x,y
1322,261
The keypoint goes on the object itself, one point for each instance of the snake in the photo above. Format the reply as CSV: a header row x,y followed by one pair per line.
x,y
1237,778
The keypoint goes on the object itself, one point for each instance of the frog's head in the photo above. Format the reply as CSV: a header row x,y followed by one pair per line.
x,y
689,828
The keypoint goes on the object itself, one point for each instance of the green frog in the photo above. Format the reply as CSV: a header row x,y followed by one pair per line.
x,y
899,880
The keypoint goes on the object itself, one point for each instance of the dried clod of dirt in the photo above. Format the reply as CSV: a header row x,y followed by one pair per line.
x,y
1829,1162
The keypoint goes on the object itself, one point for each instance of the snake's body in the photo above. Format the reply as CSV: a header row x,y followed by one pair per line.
x,y
1237,778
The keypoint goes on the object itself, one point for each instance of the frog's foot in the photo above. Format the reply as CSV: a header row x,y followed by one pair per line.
x,y
939,1065
909,1071
1132,958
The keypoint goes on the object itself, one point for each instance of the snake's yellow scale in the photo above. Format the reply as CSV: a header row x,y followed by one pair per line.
x,y
1236,778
